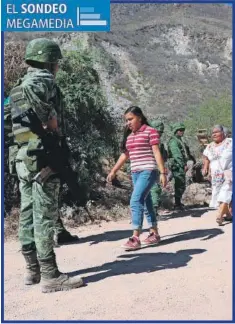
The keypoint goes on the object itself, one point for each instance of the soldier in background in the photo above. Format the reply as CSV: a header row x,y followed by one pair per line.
x,y
156,189
178,156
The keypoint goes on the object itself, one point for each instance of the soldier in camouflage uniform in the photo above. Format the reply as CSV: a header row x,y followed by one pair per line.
x,y
39,203
178,156
61,235
156,189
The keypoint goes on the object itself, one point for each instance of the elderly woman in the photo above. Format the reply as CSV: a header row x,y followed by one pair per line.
x,y
218,158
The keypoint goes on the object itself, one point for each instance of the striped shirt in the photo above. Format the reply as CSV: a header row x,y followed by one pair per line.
x,y
139,148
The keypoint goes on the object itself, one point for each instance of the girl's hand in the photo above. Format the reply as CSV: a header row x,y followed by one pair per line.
x,y
110,176
163,180
204,172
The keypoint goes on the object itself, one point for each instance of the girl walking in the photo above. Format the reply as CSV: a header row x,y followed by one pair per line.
x,y
141,146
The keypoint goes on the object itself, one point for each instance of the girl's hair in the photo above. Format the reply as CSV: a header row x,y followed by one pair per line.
x,y
137,112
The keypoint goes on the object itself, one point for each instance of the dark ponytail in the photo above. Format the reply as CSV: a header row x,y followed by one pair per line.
x,y
137,112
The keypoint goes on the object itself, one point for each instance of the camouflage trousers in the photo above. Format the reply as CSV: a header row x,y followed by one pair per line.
x,y
180,184
38,212
156,192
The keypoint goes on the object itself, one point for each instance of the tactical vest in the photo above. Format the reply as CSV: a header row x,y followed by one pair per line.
x,y
19,104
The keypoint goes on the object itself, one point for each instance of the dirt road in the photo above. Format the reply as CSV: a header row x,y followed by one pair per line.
x,y
187,277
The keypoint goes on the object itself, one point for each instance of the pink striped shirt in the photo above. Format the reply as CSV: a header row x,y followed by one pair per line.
x,y
139,148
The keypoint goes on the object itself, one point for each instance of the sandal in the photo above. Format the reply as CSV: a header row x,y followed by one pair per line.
x,y
228,218
219,220
166,212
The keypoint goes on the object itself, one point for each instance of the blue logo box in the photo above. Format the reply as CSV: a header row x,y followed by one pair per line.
x,y
55,15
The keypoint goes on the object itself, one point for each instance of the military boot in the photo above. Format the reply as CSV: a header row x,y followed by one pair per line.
x,y
53,280
64,237
32,275
179,207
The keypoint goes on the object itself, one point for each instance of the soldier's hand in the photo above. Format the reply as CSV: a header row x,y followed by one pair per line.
x,y
163,180
185,168
52,124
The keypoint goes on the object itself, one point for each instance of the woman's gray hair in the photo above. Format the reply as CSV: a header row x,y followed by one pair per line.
x,y
220,127
226,131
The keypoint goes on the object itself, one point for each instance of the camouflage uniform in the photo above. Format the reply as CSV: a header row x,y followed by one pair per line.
x,y
61,235
39,203
178,157
156,189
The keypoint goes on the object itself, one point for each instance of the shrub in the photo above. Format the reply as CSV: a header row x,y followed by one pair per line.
x,y
14,66
90,128
211,112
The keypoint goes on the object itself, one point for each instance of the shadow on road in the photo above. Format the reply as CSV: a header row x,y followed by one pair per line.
x,y
133,262
112,236
192,211
139,263
203,234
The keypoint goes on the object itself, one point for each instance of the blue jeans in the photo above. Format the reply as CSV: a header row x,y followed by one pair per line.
x,y
141,201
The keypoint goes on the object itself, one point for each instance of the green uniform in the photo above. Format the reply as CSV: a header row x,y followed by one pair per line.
x,y
58,226
156,189
177,155
39,203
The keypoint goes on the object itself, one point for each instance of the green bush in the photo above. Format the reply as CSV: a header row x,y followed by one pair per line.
x,y
14,66
90,129
211,112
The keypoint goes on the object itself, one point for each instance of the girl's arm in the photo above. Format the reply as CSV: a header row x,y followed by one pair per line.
x,y
122,159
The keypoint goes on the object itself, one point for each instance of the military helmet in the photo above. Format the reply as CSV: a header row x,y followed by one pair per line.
x,y
177,126
158,125
43,50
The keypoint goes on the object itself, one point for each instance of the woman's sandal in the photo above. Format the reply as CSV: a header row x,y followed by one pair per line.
x,y
228,218
219,220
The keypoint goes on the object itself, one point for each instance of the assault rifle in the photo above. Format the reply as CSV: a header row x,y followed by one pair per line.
x,y
54,155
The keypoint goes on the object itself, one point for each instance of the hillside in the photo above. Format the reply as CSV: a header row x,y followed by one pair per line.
x,y
163,57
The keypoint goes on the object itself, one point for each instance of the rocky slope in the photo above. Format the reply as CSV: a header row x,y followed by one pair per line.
x,y
163,57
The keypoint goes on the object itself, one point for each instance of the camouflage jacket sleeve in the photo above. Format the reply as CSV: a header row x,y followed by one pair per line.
x,y
175,153
40,93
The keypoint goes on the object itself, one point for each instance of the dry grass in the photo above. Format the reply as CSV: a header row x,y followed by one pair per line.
x,y
14,66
